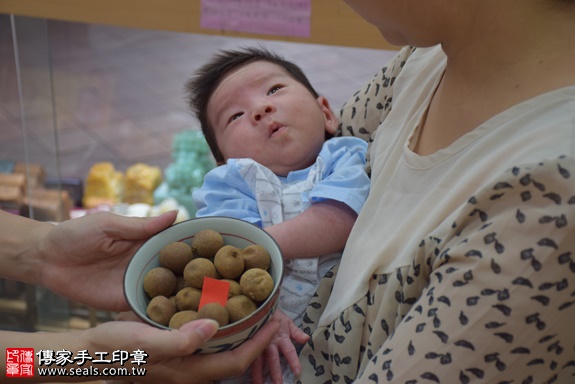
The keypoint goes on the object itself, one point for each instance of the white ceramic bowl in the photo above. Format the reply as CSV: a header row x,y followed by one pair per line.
x,y
235,232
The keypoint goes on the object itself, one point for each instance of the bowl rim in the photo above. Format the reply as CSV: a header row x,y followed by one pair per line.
x,y
227,327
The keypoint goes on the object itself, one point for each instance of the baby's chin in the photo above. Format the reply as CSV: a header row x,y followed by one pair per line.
x,y
286,168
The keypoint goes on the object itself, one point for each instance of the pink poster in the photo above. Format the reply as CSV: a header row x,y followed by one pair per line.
x,y
269,17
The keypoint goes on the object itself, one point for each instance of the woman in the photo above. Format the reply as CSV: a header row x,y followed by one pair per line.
x,y
461,265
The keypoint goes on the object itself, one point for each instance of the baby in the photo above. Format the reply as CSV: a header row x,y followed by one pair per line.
x,y
278,165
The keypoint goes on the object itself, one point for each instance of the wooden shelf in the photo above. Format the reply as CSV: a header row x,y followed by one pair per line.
x,y
16,306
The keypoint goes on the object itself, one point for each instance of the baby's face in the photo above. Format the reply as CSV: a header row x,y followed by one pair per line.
x,y
259,111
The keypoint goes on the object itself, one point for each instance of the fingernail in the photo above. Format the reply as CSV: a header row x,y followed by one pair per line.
x,y
207,328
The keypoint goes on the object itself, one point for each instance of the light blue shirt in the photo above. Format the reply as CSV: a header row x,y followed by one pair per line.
x,y
225,192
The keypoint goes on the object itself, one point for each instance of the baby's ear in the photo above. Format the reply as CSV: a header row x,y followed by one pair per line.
x,y
331,121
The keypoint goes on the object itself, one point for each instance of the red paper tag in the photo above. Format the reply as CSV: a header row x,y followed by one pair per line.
x,y
214,291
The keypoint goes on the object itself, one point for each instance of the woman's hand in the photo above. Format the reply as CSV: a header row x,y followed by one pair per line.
x,y
170,352
84,259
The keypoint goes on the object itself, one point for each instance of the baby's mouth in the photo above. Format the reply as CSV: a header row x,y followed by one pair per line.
x,y
275,128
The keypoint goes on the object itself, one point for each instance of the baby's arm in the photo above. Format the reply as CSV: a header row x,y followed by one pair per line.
x,y
320,230
335,202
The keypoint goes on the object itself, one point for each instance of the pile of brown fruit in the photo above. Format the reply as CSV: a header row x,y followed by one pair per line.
x,y
175,287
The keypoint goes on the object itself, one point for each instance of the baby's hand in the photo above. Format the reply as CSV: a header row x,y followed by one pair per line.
x,y
281,342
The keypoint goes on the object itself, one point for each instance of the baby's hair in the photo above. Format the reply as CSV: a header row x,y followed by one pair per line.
x,y
200,87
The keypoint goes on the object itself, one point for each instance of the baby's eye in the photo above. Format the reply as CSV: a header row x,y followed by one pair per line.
x,y
235,117
274,89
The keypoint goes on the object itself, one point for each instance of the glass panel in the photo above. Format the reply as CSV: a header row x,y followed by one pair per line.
x,y
31,148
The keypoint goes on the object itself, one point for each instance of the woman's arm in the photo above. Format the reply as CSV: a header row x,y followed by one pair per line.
x,y
366,109
91,252
19,256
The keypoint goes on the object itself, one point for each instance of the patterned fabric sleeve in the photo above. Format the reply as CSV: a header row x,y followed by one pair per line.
x,y
500,303
367,108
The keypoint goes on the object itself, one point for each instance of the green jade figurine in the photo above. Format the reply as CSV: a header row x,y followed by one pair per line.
x,y
191,160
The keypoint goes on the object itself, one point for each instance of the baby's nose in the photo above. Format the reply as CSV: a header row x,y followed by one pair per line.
x,y
260,112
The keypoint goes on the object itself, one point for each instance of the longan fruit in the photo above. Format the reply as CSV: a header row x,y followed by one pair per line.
x,y
181,318
181,283
206,243
161,309
256,284
196,270
160,281
188,299
239,307
216,312
176,256
256,256
229,262
234,288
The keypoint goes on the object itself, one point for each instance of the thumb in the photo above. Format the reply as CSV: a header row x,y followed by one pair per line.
x,y
161,343
185,340
153,225
297,334
200,330
139,228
